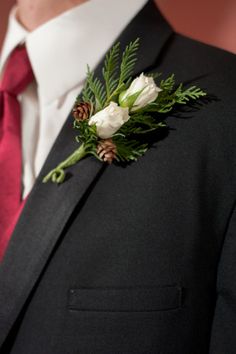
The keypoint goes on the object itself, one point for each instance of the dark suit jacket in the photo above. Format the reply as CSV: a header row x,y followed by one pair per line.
x,y
139,259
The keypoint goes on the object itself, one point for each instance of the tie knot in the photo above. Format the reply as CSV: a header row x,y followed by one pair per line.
x,y
18,72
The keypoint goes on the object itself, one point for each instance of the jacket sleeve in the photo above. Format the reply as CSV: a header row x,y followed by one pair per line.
x,y
223,336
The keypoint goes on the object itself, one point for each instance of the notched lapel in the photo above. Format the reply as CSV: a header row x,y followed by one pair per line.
x,y
50,206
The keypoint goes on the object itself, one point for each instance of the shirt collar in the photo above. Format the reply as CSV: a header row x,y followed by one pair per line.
x,y
60,49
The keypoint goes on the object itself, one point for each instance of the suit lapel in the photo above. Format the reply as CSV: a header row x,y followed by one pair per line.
x,y
49,207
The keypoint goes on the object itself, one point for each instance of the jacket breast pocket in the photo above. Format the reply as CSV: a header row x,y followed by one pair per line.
x,y
125,299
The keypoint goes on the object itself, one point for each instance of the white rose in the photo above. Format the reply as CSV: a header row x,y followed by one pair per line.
x,y
109,120
142,91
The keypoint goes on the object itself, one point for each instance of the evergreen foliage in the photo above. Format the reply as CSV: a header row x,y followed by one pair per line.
x,y
129,140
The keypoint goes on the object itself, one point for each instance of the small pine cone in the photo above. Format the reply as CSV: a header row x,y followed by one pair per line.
x,y
106,150
81,111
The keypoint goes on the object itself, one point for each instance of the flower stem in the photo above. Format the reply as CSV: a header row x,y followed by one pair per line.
x,y
57,175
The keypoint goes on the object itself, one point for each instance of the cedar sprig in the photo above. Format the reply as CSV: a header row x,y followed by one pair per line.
x,y
110,69
115,78
141,124
184,96
129,59
96,88
128,150
168,84
128,62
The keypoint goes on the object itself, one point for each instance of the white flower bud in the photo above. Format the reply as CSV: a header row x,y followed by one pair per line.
x,y
142,91
109,120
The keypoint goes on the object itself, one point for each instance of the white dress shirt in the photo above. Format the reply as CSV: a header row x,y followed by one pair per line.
x,y
59,51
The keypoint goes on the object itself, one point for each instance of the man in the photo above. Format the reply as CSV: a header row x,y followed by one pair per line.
x,y
120,260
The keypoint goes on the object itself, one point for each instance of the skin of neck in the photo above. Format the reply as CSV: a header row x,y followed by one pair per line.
x,y
32,14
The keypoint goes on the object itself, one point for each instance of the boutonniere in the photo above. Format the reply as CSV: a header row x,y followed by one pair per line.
x,y
115,116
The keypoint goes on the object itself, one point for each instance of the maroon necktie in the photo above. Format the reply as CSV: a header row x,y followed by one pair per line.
x,y
17,76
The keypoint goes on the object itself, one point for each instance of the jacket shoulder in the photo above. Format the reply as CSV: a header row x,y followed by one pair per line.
x,y
213,124
206,58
